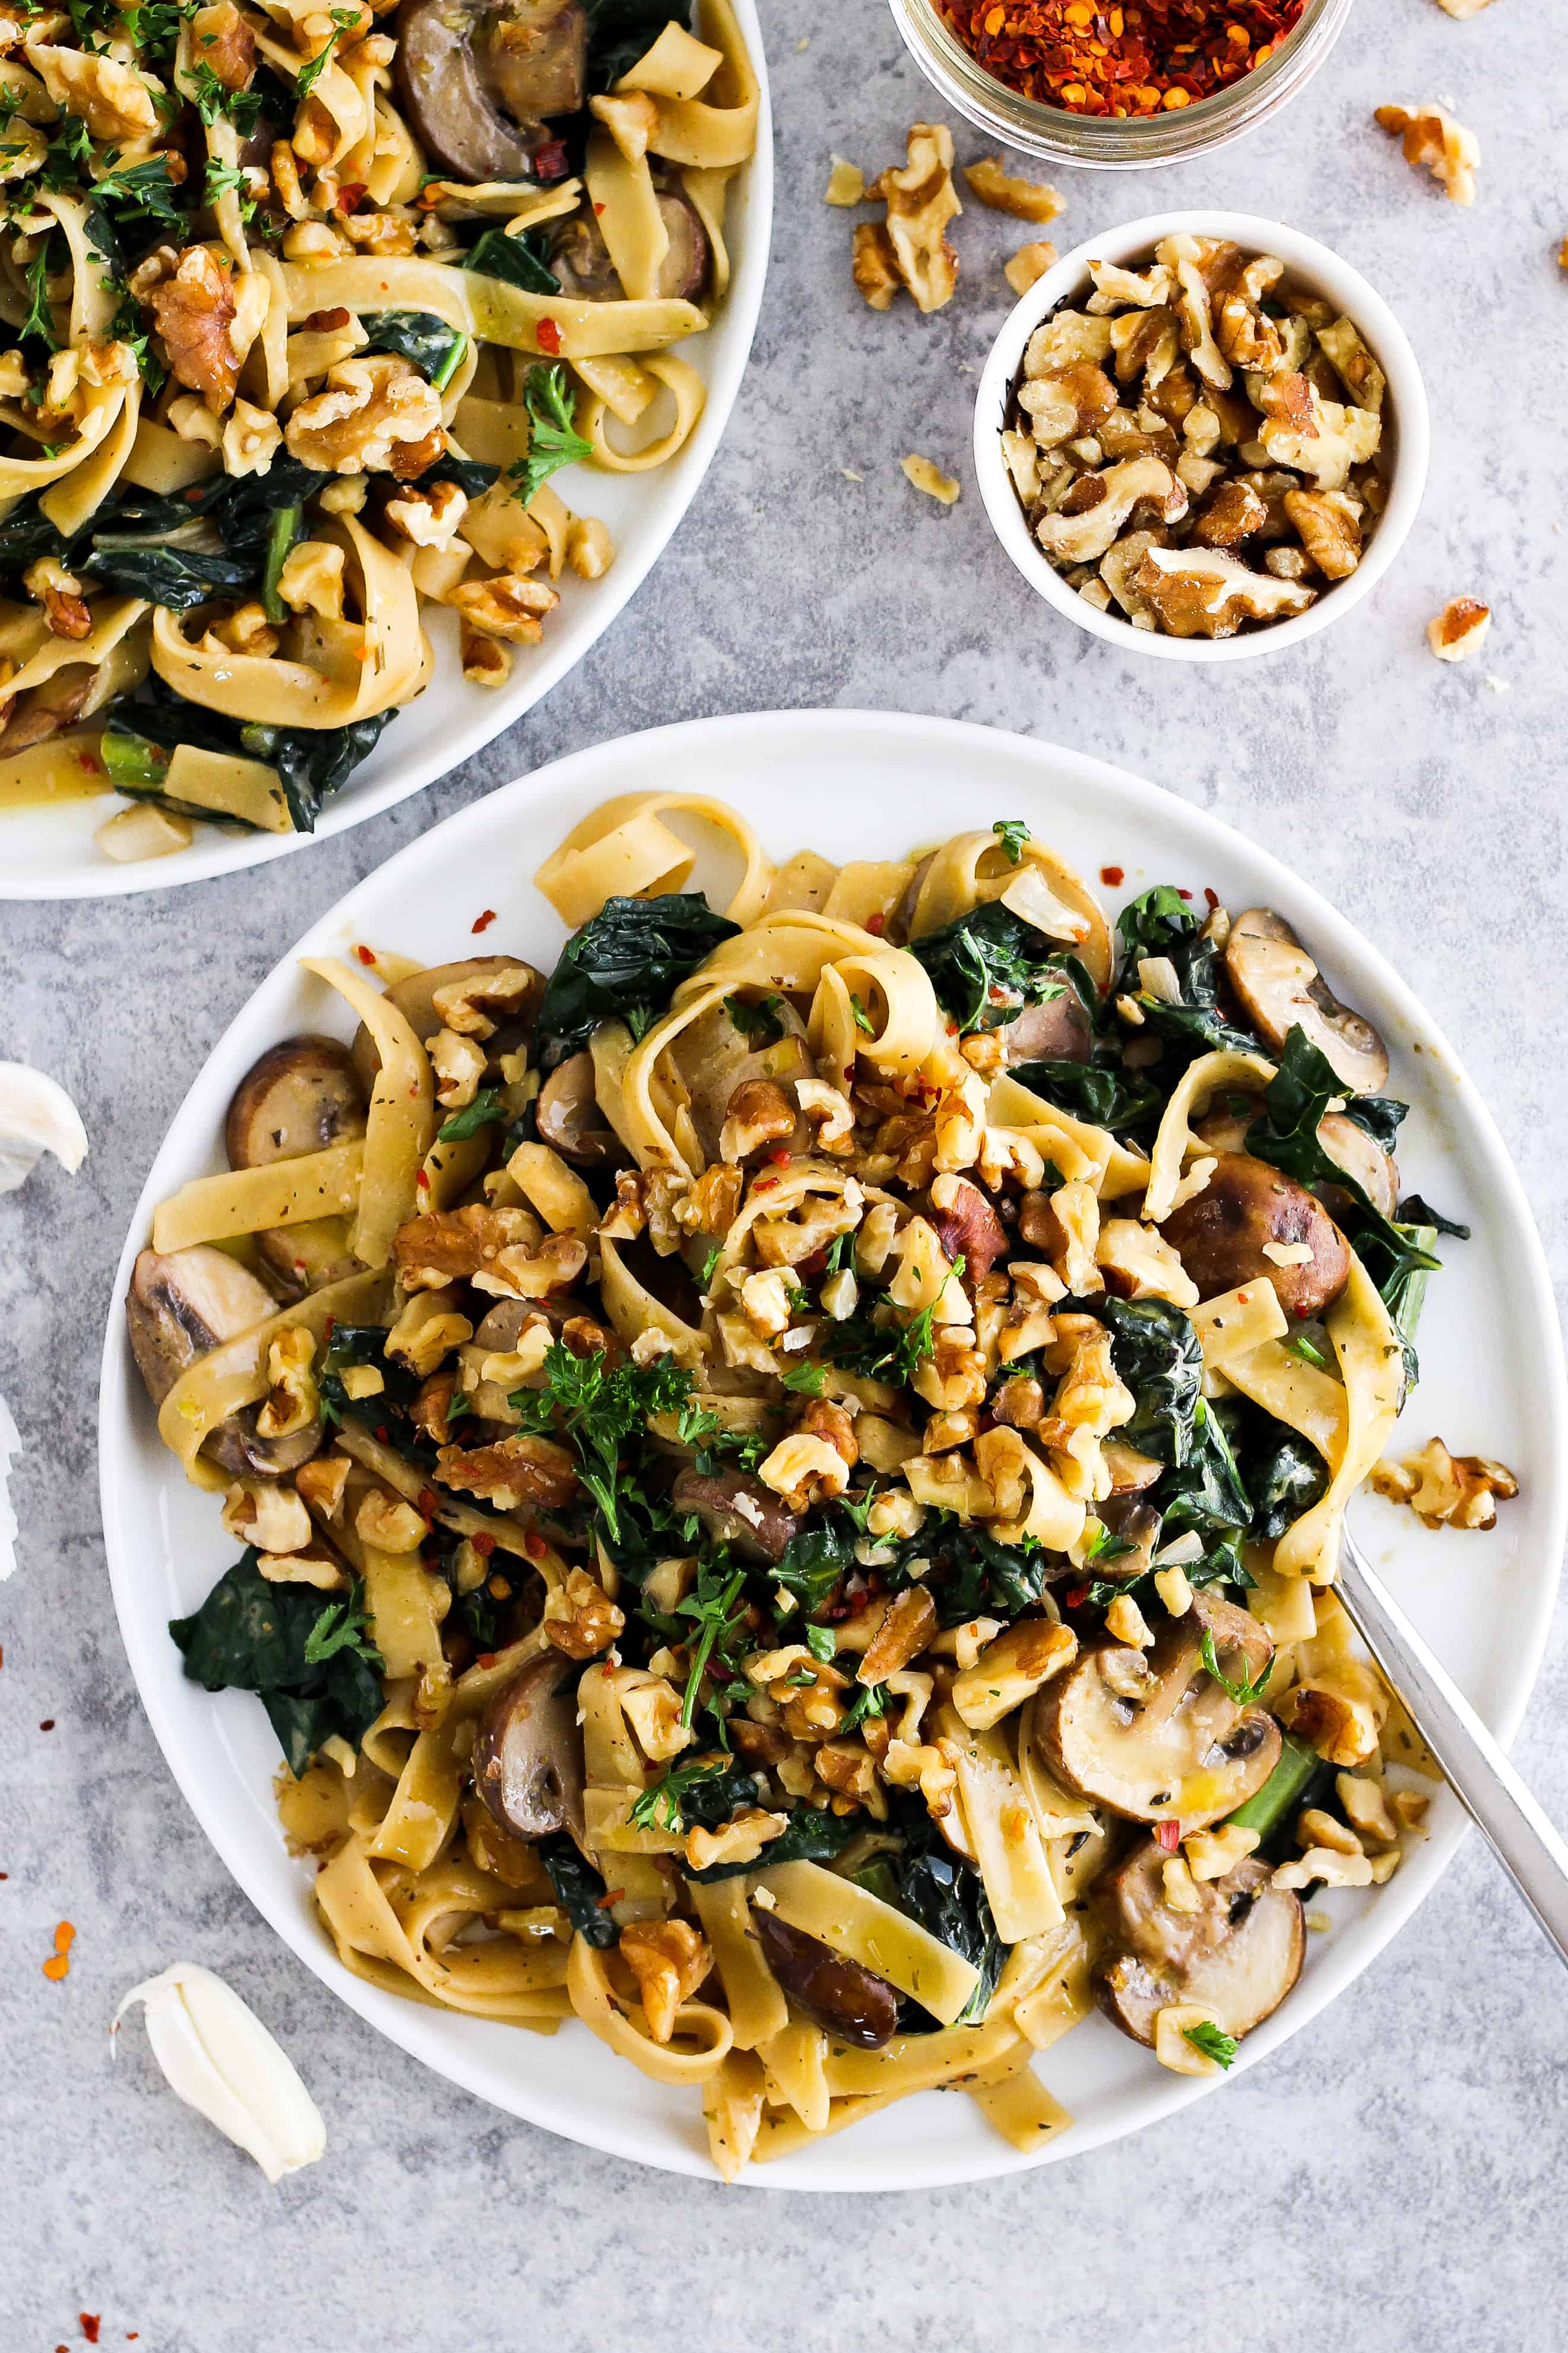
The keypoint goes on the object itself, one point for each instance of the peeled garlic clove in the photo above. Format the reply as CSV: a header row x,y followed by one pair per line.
x,y
36,1115
220,2059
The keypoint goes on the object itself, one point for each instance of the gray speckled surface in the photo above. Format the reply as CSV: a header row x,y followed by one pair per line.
x,y
1387,2179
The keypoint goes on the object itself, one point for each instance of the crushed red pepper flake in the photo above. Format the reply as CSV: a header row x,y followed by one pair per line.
x,y
547,335
1168,1837
1147,58
92,2322
1111,876
58,1963
365,956
483,923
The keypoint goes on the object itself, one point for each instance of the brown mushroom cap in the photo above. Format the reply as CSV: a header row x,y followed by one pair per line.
x,y
414,997
739,1511
180,1306
528,1752
1181,1750
581,259
683,272
1342,1138
568,1114
1059,1030
850,2001
1281,987
1237,1956
302,1096
1220,1236
479,82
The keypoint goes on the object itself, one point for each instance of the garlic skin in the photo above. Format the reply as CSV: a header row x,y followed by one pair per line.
x,y
36,1115
216,2054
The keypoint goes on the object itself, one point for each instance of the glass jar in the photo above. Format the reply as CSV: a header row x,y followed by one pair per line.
x,y
1109,143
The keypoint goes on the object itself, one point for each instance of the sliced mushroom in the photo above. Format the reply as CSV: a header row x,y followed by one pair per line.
x,y
852,2004
1236,1957
528,1753
738,1511
1152,1735
414,997
1131,1472
581,259
1280,987
714,1057
967,1227
479,81
1342,1138
1059,1030
569,1117
180,1306
1136,1525
301,1096
1225,1234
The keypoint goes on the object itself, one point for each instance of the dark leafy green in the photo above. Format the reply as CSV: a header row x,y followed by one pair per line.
x,y
427,341
988,966
311,763
625,964
1415,1211
808,1837
307,1661
554,440
175,577
1283,1481
1102,1091
815,1560
515,260
487,1107
948,1898
1381,1115
579,1890
352,1346
890,1351
470,474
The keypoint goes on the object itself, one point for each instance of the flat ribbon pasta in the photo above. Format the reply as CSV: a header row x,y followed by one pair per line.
x,y
701,2039
624,850
402,1121
974,868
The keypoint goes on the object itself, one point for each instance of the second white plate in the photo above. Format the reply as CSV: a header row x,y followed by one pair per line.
x,y
49,854
857,785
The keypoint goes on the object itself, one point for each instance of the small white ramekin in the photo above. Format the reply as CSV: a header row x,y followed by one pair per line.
x,y
1406,434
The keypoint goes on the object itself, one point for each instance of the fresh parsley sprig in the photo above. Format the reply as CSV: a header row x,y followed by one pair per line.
x,y
1012,832
553,439
342,1626
1244,1694
1212,2040
659,1806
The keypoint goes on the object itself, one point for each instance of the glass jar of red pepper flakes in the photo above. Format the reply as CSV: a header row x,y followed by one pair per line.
x,y
1119,82
1132,59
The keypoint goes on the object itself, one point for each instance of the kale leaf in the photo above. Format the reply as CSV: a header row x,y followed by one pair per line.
x,y
311,1667
515,260
1283,1482
351,1346
175,577
948,1898
425,340
626,964
1098,1091
988,966
311,763
815,1560
1415,1211
579,1890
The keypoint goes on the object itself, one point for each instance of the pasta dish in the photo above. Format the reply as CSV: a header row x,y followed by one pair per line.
x,y
307,306
788,1475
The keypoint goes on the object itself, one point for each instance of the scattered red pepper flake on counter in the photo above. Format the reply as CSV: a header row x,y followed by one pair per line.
x,y
92,2322
58,1963
484,921
47,1724
1146,56
1111,876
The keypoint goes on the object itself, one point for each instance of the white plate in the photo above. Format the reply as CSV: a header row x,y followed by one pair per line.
x,y
51,854
872,784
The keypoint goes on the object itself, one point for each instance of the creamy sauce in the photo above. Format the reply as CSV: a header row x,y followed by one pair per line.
x,y
66,770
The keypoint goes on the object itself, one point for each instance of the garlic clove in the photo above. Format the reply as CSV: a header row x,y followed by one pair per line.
x,y
216,2054
36,1115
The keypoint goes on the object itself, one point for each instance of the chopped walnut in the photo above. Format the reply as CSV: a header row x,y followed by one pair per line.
x,y
1353,364
1342,1728
590,550
1431,137
1444,1490
260,1513
110,99
429,518
923,474
388,1522
251,440
1330,525
459,1065
59,593
452,1245
759,1113
513,1471
740,1841
193,309
506,606
668,1959
1204,593
912,249
486,662
369,409
247,630
1459,630
312,579
803,1470
1030,200
846,185
292,1402
1029,264
223,40
475,1007
580,1620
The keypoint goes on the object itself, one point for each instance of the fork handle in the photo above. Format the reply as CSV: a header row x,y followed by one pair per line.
x,y
1477,1770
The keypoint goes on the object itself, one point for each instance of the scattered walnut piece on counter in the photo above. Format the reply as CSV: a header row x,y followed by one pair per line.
x,y
1030,200
910,249
1029,264
1432,137
930,478
845,184
1456,1490
1463,9
1459,630
1178,446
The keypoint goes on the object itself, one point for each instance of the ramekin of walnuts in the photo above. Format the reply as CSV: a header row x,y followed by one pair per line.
x,y
1202,436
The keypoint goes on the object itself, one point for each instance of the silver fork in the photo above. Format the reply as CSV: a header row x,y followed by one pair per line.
x,y
1492,1792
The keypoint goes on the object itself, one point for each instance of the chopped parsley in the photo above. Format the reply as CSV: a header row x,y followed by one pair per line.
x,y
342,1626
1244,1694
1212,2040
554,440
1012,832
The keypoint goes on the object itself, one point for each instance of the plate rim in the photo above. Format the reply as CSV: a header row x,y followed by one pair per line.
x,y
237,854
405,2023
